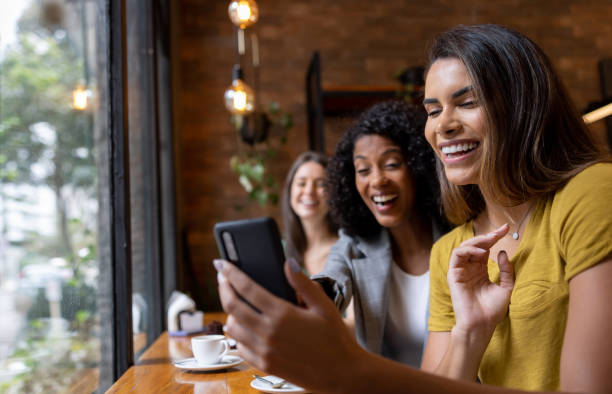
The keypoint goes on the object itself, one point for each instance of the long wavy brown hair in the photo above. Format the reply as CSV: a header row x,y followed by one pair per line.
x,y
295,238
535,139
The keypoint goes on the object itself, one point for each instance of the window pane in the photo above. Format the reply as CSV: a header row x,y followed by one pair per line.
x,y
50,188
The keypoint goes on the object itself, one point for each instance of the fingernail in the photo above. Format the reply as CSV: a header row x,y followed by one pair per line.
x,y
499,229
295,267
218,264
220,277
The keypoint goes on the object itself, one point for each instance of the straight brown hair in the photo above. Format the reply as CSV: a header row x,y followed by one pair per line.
x,y
295,237
535,139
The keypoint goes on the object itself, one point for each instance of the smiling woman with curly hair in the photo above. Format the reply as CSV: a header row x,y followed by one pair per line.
x,y
383,195
403,125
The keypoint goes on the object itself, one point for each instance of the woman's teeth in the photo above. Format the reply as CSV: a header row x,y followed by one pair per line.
x,y
382,200
459,148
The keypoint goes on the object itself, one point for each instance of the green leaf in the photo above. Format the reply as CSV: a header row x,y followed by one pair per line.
x,y
244,169
246,183
234,163
82,316
273,198
261,197
74,282
36,324
258,172
274,107
286,121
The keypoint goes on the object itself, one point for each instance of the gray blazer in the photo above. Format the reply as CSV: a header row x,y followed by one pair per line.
x,y
361,268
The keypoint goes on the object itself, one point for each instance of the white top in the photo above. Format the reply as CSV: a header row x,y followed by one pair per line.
x,y
406,324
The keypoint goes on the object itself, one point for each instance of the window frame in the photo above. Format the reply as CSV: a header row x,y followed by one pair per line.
x,y
160,205
120,241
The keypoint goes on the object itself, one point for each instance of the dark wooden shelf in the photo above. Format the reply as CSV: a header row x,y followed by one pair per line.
x,y
350,100
339,101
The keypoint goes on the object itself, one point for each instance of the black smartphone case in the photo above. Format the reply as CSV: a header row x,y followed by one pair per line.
x,y
258,253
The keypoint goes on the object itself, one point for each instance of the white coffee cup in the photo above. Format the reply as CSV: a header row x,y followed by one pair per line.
x,y
209,349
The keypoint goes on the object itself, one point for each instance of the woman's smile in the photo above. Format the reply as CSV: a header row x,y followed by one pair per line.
x,y
457,150
383,180
455,126
308,192
384,202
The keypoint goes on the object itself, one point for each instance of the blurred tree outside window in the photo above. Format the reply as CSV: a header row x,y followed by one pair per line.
x,y
49,194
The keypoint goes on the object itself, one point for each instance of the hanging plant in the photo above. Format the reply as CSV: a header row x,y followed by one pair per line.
x,y
259,135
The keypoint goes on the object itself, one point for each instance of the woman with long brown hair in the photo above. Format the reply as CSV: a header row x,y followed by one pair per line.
x,y
520,289
309,229
527,194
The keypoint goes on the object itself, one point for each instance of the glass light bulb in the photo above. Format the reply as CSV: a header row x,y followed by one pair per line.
x,y
239,98
243,13
79,98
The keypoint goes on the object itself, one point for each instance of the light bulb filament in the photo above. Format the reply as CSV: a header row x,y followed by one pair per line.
x,y
240,100
244,11
79,98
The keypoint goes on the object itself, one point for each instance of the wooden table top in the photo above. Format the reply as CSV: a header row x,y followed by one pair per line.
x,y
154,371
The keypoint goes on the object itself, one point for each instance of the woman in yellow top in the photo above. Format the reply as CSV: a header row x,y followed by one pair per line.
x,y
520,289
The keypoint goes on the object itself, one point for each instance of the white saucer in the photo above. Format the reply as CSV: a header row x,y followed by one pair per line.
x,y
226,362
287,387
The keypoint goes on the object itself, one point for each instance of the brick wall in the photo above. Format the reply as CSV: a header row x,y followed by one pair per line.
x,y
360,42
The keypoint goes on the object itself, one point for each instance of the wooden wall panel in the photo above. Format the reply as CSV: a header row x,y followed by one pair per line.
x,y
361,42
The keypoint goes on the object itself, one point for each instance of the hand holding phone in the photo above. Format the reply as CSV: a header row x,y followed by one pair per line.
x,y
254,245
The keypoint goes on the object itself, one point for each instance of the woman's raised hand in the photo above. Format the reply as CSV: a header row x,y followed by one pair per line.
x,y
479,304
309,345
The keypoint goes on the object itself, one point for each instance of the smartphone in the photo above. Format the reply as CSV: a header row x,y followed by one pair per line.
x,y
254,245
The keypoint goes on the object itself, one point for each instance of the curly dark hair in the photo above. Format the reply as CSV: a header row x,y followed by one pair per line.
x,y
403,124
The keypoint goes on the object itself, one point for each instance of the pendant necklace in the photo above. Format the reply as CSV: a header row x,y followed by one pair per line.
x,y
515,234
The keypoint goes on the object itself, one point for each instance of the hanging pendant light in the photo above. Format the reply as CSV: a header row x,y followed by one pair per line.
x,y
243,13
80,98
239,97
